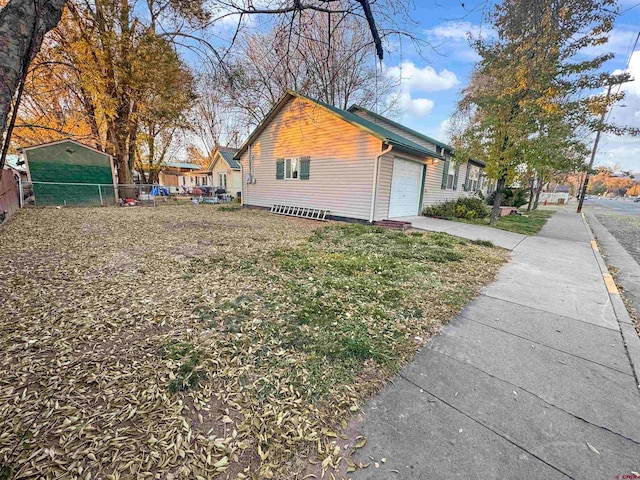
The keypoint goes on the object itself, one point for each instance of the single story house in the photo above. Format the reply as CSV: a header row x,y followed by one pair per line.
x,y
555,194
182,176
198,178
66,172
16,167
225,170
446,181
354,163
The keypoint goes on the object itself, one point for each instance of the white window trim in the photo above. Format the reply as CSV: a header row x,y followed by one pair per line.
x,y
289,160
222,175
474,178
451,174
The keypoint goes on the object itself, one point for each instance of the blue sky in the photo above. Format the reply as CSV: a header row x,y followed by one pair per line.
x,y
430,83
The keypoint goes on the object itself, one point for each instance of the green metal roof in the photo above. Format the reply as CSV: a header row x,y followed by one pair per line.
x,y
227,154
189,166
402,127
377,131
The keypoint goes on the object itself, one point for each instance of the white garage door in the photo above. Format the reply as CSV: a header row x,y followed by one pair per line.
x,y
405,188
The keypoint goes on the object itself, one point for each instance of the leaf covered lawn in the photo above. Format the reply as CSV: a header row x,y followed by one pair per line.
x,y
206,342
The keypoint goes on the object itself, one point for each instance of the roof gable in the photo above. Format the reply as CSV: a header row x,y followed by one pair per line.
x,y
64,140
227,155
368,127
354,108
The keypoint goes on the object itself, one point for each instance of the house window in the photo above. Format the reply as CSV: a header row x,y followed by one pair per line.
x,y
291,168
184,181
222,180
451,175
474,177
197,181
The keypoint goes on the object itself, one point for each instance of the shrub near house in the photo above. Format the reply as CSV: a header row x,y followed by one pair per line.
x,y
463,207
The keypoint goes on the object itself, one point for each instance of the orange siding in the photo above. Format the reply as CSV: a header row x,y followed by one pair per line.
x,y
341,165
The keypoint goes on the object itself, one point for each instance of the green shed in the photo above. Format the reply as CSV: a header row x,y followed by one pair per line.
x,y
67,172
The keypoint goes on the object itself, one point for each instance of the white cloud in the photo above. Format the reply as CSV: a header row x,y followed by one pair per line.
x,y
418,107
411,107
442,132
620,41
425,79
624,150
455,30
413,82
452,39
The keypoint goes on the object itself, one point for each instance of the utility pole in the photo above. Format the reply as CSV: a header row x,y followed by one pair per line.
x,y
583,190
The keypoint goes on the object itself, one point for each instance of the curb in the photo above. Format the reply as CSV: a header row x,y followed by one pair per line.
x,y
630,337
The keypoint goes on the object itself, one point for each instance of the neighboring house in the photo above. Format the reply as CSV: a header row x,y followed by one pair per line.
x,y
181,176
198,178
225,170
555,194
67,172
308,154
446,180
16,165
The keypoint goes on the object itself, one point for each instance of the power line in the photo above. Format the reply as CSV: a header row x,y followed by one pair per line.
x,y
630,8
626,68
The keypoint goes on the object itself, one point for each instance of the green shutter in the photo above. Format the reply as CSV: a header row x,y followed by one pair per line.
x,y
304,168
444,172
279,168
455,177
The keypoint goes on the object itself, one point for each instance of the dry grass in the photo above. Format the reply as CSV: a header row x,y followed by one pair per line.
x,y
194,342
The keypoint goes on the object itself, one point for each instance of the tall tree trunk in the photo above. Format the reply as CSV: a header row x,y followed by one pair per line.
x,y
495,211
531,183
538,190
23,25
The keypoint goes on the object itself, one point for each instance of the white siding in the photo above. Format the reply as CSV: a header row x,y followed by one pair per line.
x,y
341,162
433,193
392,128
385,174
385,170
234,177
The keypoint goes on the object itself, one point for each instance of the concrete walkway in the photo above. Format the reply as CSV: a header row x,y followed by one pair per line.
x,y
531,381
500,238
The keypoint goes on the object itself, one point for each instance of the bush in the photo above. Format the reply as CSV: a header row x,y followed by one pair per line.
x,y
463,207
511,197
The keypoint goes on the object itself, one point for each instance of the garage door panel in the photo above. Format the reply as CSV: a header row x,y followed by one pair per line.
x,y
406,182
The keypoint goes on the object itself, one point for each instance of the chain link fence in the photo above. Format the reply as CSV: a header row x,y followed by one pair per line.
x,y
69,194
97,194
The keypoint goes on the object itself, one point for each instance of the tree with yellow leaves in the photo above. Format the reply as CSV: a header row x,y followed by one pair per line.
x,y
528,90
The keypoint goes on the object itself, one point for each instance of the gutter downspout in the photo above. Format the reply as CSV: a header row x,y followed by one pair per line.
x,y
243,199
374,185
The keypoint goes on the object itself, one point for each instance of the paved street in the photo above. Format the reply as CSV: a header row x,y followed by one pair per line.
x,y
536,378
609,206
622,219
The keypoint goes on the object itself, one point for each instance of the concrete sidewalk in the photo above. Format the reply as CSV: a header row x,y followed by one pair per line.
x,y
531,381
500,238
